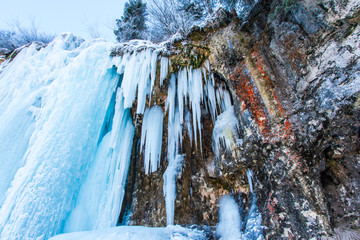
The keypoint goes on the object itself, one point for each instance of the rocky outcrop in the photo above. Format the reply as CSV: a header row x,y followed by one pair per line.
x,y
293,71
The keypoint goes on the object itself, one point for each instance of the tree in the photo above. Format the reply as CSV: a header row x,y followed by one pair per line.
x,y
19,36
168,17
132,23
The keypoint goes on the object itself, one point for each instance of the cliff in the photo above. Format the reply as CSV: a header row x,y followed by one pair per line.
x,y
292,69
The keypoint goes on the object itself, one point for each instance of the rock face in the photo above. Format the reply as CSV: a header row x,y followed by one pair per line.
x,y
293,71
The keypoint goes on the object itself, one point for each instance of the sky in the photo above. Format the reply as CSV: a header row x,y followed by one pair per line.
x,y
58,16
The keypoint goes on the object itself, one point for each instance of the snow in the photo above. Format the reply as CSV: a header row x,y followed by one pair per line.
x,y
136,233
151,138
225,132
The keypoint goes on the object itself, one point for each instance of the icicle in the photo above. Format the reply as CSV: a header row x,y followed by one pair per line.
x,y
169,188
131,77
225,131
154,58
174,159
249,174
151,138
223,98
164,65
182,89
170,100
144,83
196,96
210,95
139,76
188,125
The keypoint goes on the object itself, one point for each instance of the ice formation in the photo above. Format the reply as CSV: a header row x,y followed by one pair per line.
x,y
164,66
66,134
225,131
231,225
108,174
151,138
58,96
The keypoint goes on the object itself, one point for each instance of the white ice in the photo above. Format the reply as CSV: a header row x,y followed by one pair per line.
x,y
253,228
151,138
229,226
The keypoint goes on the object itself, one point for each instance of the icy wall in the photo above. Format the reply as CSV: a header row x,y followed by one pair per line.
x,y
67,113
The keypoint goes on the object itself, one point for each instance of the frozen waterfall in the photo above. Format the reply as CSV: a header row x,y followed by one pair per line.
x,y
67,130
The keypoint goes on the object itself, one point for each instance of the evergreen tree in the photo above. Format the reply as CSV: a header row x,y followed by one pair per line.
x,y
132,23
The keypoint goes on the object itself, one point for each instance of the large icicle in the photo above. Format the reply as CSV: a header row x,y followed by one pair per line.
x,y
174,159
151,138
196,96
225,131
190,86
66,88
101,196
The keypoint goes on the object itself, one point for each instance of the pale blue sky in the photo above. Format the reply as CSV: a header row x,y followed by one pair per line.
x,y
57,16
